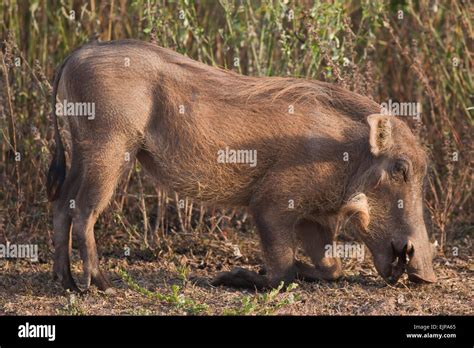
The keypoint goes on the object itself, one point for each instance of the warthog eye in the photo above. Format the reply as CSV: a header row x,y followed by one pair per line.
x,y
401,169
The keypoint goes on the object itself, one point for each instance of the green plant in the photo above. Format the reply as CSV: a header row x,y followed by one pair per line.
x,y
266,303
175,298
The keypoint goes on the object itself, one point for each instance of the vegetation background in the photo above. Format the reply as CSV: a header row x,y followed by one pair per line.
x,y
399,50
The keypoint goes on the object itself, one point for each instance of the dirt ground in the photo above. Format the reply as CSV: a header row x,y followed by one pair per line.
x,y
157,283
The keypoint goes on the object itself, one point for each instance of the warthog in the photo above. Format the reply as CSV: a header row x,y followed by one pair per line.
x,y
322,155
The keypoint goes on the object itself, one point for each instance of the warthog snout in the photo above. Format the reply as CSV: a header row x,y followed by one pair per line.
x,y
418,265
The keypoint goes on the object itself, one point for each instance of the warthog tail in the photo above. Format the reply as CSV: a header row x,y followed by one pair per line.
x,y
57,169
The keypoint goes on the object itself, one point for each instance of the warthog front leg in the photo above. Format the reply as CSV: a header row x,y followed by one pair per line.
x,y
278,247
314,237
241,278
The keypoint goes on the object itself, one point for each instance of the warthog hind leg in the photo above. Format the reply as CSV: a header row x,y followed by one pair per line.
x,y
62,229
97,187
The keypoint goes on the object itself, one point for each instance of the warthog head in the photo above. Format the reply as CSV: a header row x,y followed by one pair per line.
x,y
388,202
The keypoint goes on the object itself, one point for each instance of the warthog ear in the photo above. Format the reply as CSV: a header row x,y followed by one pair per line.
x,y
356,209
380,137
